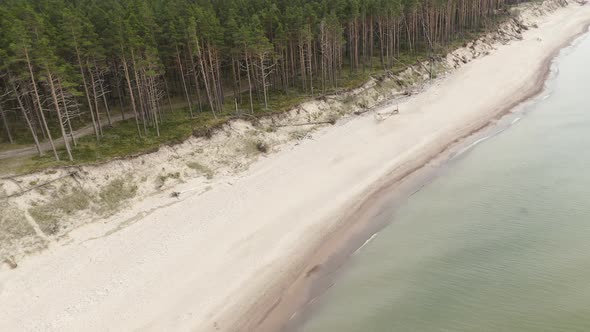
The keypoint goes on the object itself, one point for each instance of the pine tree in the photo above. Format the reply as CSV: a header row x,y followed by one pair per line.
x,y
84,58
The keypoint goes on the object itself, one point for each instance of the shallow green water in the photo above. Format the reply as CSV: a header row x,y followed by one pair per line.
x,y
500,241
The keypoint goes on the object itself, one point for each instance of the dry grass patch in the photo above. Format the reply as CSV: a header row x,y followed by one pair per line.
x,y
162,178
114,194
48,214
254,147
202,169
13,224
13,227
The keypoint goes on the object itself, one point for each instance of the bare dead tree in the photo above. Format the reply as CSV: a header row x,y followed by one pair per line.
x,y
26,116
53,82
246,67
71,109
3,116
266,68
100,74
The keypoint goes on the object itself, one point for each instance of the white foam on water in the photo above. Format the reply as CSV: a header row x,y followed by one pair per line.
x,y
471,146
366,242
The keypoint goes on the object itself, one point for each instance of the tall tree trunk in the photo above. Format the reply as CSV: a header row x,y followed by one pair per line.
x,y
40,105
302,62
128,79
151,97
309,57
104,97
119,91
35,117
195,72
59,115
219,83
64,102
249,83
263,77
95,97
139,93
87,93
168,94
188,99
29,123
6,125
204,71
215,84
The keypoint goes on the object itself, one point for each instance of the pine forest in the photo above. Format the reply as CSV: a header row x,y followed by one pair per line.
x,y
160,68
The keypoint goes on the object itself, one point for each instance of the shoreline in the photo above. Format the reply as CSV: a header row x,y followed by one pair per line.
x,y
220,259
291,308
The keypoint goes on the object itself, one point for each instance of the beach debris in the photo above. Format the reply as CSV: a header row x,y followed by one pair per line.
x,y
311,271
176,194
329,121
384,114
262,147
10,262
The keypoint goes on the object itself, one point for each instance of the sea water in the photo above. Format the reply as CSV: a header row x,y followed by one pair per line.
x,y
499,241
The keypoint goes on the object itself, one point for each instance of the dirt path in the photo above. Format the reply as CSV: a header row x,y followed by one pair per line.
x,y
84,131
59,142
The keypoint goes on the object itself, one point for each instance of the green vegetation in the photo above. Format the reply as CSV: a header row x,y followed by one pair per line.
x,y
13,225
202,169
48,214
164,177
184,67
254,146
67,202
114,194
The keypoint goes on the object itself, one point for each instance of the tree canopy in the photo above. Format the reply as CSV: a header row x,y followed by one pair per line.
x,y
83,59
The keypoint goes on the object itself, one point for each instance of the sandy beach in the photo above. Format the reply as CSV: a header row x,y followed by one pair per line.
x,y
218,260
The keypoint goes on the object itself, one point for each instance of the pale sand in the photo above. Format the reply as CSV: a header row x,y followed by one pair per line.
x,y
214,261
